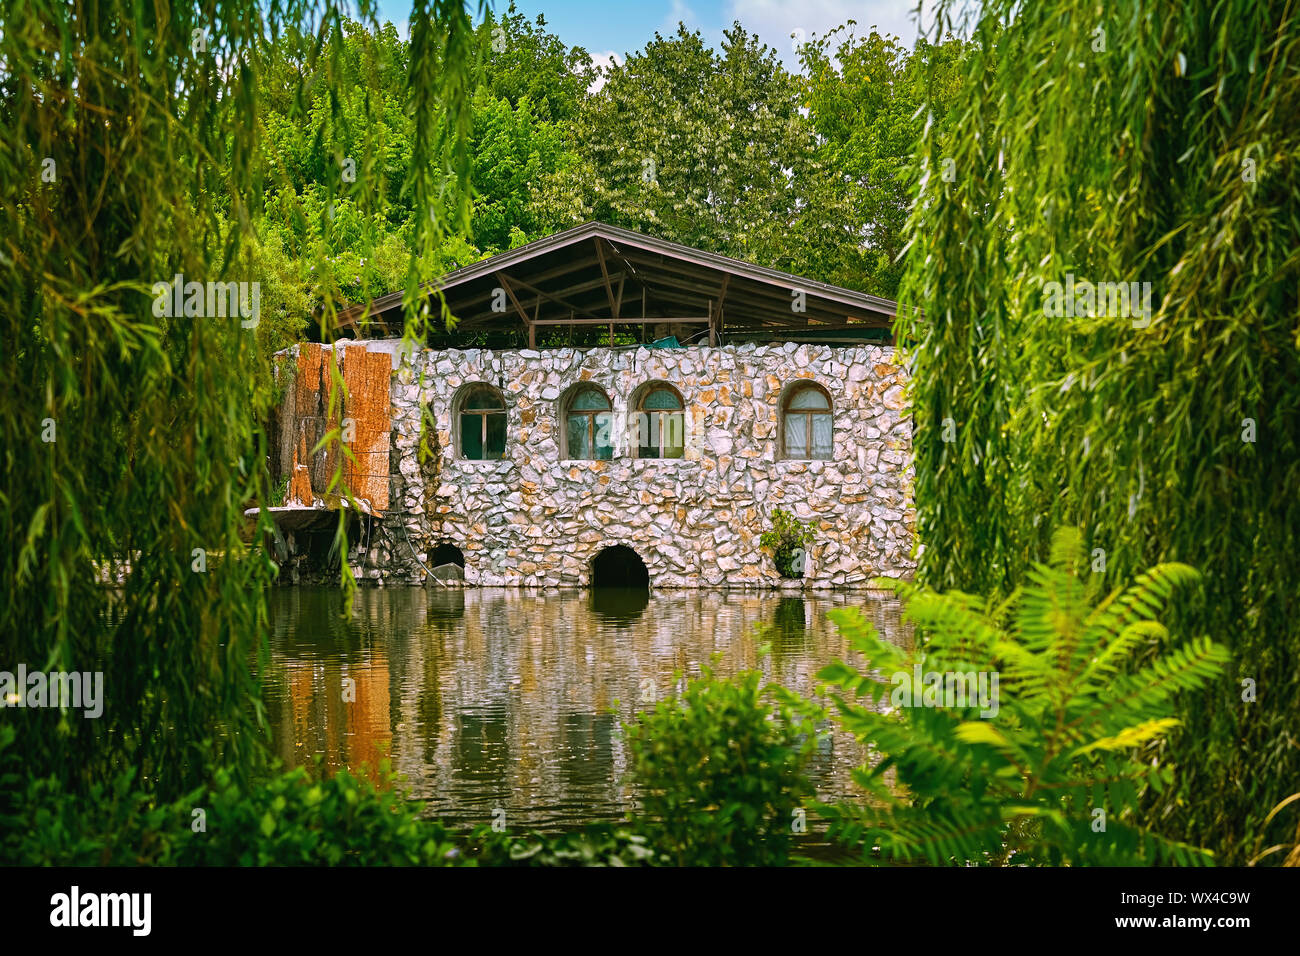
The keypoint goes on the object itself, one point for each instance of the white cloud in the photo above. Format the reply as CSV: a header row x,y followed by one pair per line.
x,y
775,20
679,12
603,61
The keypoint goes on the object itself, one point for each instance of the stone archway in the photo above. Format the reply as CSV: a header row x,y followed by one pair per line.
x,y
446,553
618,566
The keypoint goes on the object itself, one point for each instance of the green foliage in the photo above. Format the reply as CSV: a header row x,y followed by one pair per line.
x,y
285,819
869,99
340,212
155,169
1290,850
720,770
522,61
595,845
43,823
291,820
787,535
1022,781
513,149
1165,152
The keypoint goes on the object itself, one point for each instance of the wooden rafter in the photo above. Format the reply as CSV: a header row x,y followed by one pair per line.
x,y
505,284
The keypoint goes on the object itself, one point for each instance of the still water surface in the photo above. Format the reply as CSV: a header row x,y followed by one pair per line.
x,y
487,698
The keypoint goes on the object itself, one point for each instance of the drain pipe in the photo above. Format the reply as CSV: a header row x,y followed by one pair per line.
x,y
428,575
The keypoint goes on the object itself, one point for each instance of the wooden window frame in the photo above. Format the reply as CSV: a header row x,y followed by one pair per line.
x,y
807,414
641,410
568,411
482,415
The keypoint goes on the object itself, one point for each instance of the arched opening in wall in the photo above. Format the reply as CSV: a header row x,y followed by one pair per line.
x,y
446,563
447,554
619,567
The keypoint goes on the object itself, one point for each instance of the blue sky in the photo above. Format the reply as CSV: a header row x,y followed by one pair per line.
x,y
620,27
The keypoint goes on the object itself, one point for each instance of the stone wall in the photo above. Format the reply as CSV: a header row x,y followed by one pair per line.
x,y
533,519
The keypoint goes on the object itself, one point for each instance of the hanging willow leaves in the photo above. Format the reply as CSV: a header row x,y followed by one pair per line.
x,y
132,150
1126,142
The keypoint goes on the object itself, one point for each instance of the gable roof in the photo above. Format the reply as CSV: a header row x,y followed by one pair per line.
x,y
601,275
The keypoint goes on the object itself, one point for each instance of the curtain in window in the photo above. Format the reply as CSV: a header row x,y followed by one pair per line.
x,y
808,424
588,425
796,436
662,426
578,445
821,436
604,435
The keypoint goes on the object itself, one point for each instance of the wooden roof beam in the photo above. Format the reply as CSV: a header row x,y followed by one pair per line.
x,y
505,284
630,320
604,273
547,295
531,302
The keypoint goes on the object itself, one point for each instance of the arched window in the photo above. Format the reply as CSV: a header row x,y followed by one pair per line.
x,y
660,425
806,423
482,423
588,424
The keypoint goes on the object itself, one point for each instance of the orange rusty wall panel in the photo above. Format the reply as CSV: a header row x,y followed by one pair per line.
x,y
308,398
368,475
368,376
326,460
305,417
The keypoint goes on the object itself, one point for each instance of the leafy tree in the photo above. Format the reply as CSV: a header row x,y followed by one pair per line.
x,y
513,151
1048,767
704,147
523,61
1099,143
348,87
869,99
361,151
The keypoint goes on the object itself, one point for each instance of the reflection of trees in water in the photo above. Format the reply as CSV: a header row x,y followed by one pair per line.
x,y
482,748
789,631
513,698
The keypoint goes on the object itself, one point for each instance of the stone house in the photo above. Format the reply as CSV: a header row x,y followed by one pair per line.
x,y
608,405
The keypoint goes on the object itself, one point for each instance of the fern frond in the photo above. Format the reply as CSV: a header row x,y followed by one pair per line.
x,y
1141,601
1024,782
1131,736
1137,695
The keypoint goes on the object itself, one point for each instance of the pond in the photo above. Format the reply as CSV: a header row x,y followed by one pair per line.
x,y
487,698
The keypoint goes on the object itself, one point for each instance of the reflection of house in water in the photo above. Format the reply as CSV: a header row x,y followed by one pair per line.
x,y
606,392
619,605
446,607
502,698
347,724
